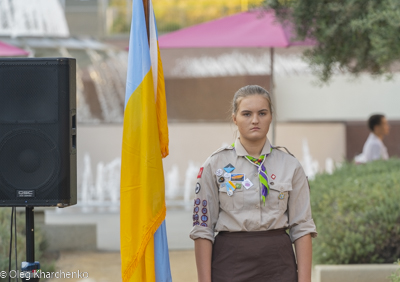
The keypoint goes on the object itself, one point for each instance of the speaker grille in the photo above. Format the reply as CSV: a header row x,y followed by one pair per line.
x,y
29,93
28,160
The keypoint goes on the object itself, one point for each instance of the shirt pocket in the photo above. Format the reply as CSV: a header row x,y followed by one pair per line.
x,y
230,203
279,194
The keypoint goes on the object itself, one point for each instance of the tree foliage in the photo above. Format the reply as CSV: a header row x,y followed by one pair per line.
x,y
353,35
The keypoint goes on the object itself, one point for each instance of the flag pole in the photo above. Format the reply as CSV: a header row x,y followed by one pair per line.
x,y
271,92
146,16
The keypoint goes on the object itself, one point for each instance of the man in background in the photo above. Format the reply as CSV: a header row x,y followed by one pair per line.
x,y
374,149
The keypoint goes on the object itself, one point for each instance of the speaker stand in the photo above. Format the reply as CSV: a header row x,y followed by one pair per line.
x,y
30,267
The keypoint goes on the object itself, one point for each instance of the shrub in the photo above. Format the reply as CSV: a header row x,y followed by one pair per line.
x,y
40,244
395,277
356,211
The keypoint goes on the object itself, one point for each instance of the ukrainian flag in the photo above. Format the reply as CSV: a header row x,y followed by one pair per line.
x,y
144,248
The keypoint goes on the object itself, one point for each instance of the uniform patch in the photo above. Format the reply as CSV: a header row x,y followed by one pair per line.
x,y
204,224
197,201
238,185
196,210
219,172
247,183
204,218
281,196
229,168
200,172
196,223
237,176
204,203
204,210
230,187
195,217
227,176
221,179
198,187
273,176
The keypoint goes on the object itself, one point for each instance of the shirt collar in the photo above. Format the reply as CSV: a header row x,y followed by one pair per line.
x,y
241,151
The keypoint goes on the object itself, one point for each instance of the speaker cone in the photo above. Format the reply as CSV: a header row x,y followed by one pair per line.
x,y
28,160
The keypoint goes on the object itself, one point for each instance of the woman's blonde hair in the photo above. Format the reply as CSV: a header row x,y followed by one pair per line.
x,y
248,91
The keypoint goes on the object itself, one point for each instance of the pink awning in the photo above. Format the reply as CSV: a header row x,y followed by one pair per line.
x,y
7,50
247,29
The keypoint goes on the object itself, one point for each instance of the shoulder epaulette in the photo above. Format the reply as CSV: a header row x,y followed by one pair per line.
x,y
281,147
228,147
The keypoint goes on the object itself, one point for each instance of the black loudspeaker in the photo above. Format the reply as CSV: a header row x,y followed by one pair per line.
x,y
38,132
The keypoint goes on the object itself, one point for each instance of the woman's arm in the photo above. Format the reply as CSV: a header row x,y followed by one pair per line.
x,y
303,248
203,252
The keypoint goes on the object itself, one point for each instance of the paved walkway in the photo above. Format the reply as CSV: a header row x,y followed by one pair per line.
x,y
106,266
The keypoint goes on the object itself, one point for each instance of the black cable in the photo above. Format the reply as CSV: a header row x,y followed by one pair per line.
x,y
15,239
9,255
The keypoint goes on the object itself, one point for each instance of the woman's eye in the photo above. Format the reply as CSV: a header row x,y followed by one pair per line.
x,y
246,114
263,114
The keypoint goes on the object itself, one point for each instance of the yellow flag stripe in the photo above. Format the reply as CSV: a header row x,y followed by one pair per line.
x,y
142,197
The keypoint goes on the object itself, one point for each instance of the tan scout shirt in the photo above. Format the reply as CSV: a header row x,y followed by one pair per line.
x,y
286,206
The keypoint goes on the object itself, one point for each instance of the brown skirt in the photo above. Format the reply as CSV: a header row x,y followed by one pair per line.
x,y
265,256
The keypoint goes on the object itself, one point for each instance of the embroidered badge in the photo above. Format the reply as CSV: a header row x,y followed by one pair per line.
x,y
229,168
204,210
247,183
195,217
200,172
204,218
237,177
197,201
196,223
230,187
204,203
227,176
198,187
204,224
196,210
273,176
221,179
219,172
281,196
238,185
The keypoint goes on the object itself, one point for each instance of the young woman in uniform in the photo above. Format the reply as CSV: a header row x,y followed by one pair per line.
x,y
250,193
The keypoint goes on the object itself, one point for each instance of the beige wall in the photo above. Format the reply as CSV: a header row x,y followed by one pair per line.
x,y
325,140
196,141
298,98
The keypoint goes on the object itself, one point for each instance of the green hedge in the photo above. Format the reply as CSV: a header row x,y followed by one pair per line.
x,y
357,214
395,276
40,244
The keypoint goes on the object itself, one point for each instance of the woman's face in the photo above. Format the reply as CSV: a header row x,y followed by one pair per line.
x,y
253,117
